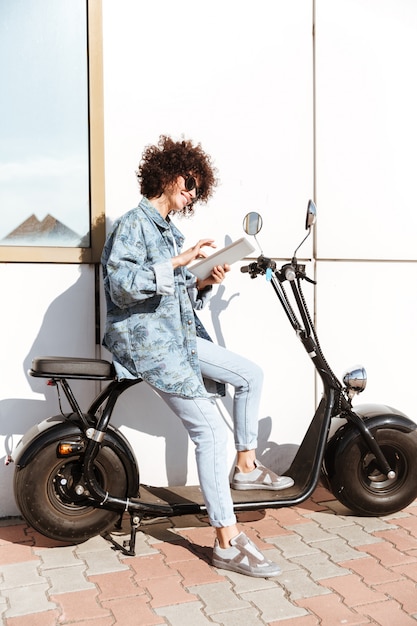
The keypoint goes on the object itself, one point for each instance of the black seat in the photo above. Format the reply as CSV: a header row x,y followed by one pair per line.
x,y
72,367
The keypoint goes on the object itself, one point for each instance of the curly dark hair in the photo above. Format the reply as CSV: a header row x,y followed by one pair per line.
x,y
161,164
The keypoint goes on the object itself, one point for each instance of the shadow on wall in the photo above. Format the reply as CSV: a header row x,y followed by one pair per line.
x,y
66,330
69,328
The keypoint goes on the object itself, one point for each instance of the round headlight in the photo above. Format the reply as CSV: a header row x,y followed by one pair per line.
x,y
355,380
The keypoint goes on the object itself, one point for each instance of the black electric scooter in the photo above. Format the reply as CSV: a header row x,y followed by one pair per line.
x,y
76,475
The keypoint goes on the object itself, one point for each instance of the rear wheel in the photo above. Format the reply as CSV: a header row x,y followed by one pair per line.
x,y
360,485
45,493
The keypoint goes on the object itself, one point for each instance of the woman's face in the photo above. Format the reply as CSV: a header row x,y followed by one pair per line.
x,y
182,192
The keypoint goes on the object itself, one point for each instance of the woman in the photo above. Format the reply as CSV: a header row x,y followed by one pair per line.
x,y
153,333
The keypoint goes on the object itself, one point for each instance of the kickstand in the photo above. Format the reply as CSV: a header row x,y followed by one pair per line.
x,y
134,525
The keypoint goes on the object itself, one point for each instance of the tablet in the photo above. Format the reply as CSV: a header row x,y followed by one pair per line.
x,y
230,254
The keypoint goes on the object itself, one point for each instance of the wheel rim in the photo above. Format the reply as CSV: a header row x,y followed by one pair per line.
x,y
61,485
376,481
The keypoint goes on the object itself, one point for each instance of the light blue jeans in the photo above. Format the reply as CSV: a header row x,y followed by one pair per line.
x,y
208,430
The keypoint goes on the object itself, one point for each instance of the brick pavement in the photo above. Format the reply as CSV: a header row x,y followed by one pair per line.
x,y
336,569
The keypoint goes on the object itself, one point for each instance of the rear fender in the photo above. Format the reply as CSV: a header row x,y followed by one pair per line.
x,y
59,427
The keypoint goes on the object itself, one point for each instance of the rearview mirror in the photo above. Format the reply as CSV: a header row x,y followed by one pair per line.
x,y
311,214
252,223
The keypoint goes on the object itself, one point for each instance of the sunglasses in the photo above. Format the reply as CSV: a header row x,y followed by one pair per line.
x,y
191,183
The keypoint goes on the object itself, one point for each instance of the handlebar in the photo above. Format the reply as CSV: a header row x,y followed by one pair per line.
x,y
289,271
260,266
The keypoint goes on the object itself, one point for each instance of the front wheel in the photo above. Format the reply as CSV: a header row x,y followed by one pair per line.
x,y
45,493
358,483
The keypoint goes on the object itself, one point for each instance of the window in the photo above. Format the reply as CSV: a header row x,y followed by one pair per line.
x,y
51,137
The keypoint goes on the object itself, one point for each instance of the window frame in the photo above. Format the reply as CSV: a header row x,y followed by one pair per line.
x,y
91,254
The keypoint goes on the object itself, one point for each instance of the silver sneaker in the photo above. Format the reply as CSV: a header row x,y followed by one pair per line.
x,y
244,557
260,478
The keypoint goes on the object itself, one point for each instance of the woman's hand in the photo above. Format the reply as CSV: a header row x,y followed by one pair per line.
x,y
192,254
217,276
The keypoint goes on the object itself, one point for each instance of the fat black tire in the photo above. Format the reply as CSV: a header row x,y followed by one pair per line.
x,y
357,482
53,508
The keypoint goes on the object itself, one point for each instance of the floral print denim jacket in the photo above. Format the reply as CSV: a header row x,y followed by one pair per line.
x,y
151,326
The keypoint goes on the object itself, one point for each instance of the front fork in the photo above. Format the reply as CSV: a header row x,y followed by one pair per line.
x,y
371,442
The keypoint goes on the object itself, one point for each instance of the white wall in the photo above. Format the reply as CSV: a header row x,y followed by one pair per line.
x,y
239,78
366,164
